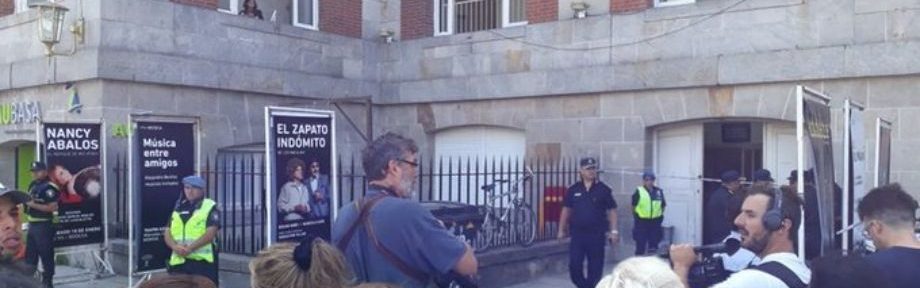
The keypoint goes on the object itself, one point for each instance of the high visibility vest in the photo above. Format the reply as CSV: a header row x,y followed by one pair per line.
x,y
185,233
648,208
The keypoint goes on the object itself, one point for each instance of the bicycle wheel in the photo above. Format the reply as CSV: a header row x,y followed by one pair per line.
x,y
485,234
525,225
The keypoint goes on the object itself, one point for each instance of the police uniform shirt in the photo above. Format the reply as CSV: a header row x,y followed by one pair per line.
x,y
42,192
186,208
589,208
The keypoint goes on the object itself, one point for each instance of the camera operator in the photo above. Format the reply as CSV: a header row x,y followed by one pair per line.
x,y
768,223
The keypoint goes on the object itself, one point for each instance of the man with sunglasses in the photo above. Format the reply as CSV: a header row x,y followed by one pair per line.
x,y
589,215
386,236
888,217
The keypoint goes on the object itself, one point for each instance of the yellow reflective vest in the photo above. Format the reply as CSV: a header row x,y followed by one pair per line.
x,y
185,233
648,208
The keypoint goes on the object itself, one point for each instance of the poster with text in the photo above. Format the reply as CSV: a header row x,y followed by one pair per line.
x,y
73,153
165,154
858,167
883,175
301,189
817,125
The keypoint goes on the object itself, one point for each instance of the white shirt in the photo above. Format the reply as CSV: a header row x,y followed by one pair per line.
x,y
754,278
741,259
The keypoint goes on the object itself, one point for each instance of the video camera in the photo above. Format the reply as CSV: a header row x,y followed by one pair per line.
x,y
711,269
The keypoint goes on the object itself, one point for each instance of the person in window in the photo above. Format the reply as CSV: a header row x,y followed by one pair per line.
x,y
251,9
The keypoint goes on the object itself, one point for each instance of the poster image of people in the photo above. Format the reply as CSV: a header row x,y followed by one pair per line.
x,y
74,156
300,147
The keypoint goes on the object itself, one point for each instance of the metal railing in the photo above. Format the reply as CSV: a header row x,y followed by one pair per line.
x,y
461,16
235,182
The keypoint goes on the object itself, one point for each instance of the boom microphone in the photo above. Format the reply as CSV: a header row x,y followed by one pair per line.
x,y
730,246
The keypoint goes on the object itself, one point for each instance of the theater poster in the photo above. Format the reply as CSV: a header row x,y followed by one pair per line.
x,y
165,152
74,153
300,149
817,118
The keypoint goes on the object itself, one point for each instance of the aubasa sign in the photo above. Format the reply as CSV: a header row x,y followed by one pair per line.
x,y
20,112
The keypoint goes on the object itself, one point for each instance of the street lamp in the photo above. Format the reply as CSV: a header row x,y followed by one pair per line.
x,y
51,24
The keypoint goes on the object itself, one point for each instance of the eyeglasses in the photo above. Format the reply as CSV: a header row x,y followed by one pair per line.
x,y
407,162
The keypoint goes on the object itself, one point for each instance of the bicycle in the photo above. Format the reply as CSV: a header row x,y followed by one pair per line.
x,y
516,223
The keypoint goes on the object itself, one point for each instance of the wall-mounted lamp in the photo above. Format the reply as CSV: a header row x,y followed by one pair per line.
x,y
50,25
580,9
387,35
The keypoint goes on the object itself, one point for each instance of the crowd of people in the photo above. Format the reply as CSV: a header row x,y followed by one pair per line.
x,y
385,239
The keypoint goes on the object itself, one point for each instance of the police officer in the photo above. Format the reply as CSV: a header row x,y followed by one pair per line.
x,y
716,225
648,212
589,215
41,210
191,232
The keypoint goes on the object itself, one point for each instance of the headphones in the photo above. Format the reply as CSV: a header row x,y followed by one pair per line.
x,y
773,219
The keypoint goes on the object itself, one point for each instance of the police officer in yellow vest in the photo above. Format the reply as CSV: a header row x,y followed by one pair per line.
x,y
648,212
191,232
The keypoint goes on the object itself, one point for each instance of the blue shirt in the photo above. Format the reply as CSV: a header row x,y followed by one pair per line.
x,y
900,265
589,207
405,228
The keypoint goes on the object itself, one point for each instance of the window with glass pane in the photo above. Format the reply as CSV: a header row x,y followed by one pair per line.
x,y
305,12
517,14
225,5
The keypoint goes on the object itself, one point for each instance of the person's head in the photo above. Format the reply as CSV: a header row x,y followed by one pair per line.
x,y
887,214
39,170
763,176
731,179
794,177
311,263
295,169
314,168
59,175
588,169
648,179
250,5
767,226
641,272
178,281
840,271
193,187
390,161
11,242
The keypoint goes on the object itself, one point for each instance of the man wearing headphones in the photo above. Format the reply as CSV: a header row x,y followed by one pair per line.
x,y
769,222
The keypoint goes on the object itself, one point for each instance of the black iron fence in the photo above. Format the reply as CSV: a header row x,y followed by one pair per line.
x,y
236,182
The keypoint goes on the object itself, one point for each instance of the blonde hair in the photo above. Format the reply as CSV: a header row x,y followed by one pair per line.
x,y
641,272
275,267
178,281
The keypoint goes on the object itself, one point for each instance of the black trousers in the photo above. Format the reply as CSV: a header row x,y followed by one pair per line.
x,y
648,234
590,246
40,244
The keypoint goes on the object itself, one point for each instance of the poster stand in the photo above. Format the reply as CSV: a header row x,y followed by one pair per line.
x,y
801,93
132,189
96,252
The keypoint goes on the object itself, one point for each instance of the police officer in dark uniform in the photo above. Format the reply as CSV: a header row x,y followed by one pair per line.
x,y
648,211
41,209
589,215
716,225
192,232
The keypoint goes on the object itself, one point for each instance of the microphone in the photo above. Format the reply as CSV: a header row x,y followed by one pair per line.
x,y
730,246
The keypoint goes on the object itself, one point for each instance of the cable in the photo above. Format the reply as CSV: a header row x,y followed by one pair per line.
x,y
640,41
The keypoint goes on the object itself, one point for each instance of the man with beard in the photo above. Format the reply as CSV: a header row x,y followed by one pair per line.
x,y
318,185
768,223
11,242
387,237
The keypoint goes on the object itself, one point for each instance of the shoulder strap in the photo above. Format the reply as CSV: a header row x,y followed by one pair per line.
x,y
363,206
782,272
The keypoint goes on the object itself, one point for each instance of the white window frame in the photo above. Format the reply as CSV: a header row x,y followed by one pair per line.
x,y
506,14
506,17
666,3
296,22
234,8
21,6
